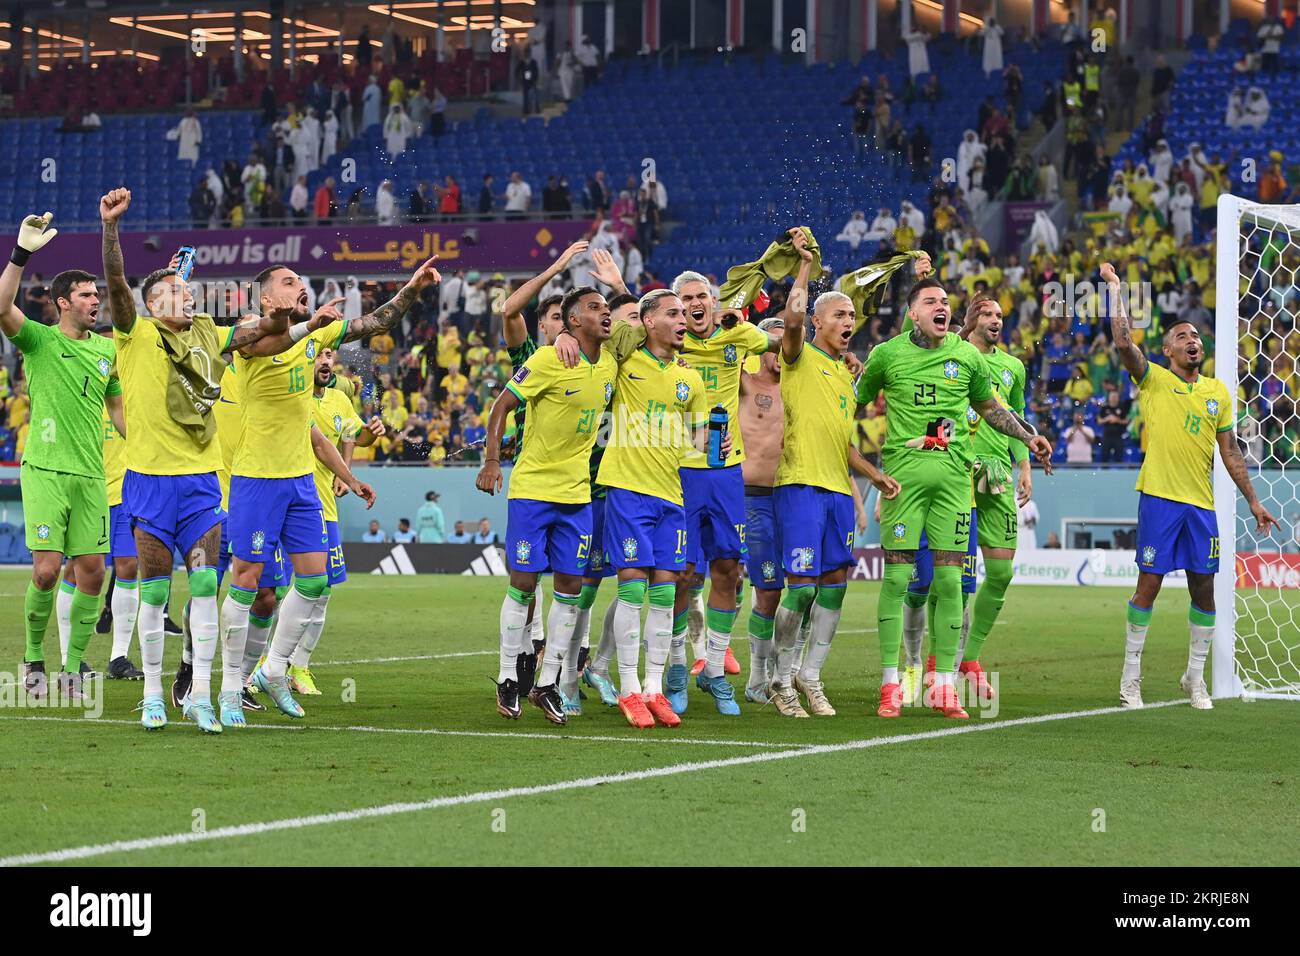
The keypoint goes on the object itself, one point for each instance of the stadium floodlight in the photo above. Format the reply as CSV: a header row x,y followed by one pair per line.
x,y
1257,592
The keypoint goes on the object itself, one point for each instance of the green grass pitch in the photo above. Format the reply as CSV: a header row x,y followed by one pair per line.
x,y
447,781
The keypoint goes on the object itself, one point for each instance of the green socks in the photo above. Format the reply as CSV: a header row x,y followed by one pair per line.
x,y
988,605
947,616
85,611
889,615
36,611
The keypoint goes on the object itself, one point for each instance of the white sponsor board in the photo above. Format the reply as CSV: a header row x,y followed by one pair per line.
x,y
1097,568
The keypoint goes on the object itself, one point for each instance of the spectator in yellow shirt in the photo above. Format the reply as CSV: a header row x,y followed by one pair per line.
x,y
871,433
381,349
394,412
449,347
456,385
1079,387
20,441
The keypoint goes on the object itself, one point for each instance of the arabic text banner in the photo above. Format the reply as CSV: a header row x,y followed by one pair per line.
x,y
324,250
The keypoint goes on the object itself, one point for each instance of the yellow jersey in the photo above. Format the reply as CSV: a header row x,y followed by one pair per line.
x,y
819,407
719,359
160,446
338,422
1182,421
277,395
230,429
656,406
114,461
564,412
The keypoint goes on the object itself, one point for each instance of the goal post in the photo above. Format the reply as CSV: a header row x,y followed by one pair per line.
x,y
1256,651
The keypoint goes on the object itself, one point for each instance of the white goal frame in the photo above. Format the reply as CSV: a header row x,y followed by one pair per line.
x,y
1226,677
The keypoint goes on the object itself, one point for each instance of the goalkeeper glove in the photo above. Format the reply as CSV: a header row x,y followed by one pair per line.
x,y
992,475
33,234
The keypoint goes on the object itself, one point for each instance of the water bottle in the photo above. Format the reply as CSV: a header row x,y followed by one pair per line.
x,y
186,263
717,432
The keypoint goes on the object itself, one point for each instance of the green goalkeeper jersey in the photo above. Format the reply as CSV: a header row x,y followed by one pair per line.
x,y
67,380
927,394
1007,376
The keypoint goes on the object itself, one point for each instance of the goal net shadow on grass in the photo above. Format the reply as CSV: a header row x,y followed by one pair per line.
x,y
1257,644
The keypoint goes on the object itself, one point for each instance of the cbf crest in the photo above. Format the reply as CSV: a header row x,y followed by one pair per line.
x,y
104,366
900,530
769,571
629,548
1148,555
1006,377
1212,407
609,391
338,423
801,560
950,369
523,551
972,416
311,348
729,354
683,392
259,539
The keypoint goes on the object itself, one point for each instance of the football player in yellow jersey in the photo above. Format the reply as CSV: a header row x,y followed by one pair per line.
x,y
337,420
170,363
1187,415
273,500
659,419
549,524
812,495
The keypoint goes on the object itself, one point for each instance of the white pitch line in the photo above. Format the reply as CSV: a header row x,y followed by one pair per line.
x,y
582,783
393,660
436,732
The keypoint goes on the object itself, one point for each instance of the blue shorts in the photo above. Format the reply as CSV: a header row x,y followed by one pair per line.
x,y
178,510
598,566
1172,535
276,572
715,513
923,570
816,529
543,535
642,531
336,568
270,514
763,543
121,539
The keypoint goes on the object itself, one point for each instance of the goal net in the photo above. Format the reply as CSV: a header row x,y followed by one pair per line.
x,y
1257,592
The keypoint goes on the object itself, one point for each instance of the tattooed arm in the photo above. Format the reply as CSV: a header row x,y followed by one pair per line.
x,y
391,312
1236,466
1008,423
111,207
1130,355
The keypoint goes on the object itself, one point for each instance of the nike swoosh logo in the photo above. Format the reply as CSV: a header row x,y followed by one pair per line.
x,y
65,355
637,377
277,360
826,373
572,392
228,401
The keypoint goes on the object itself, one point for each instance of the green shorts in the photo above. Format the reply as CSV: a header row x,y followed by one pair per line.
x,y
999,520
935,498
64,513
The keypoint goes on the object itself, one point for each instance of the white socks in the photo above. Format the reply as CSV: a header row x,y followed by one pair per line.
x,y
695,624
259,632
151,647
514,618
913,633
823,623
888,675
605,649
295,612
1198,650
627,638
203,627
785,637
536,632
1135,638
63,614
564,618
234,639
126,607
659,634
311,637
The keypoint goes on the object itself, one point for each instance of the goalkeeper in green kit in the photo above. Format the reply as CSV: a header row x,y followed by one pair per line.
x,y
930,377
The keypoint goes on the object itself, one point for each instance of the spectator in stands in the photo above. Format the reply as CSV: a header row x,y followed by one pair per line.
x,y
1058,361
1079,388
486,197
449,198
352,299
437,114
404,534
419,109
342,106
519,197
418,206
371,101
375,535
188,133
1114,422
1269,35
386,204
282,162
202,204
485,533
969,150
1180,213
1053,540
1127,82
863,120
298,199
459,535
329,137
268,104
598,193
430,521
1043,235
476,302
325,206
992,34
566,68
589,59
871,432
918,57
1272,183
1162,83
1022,183
527,73
397,130
1079,438
854,231
1048,185
555,196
